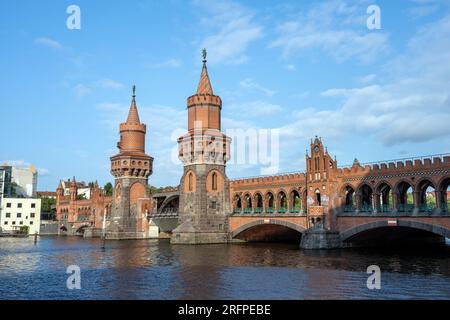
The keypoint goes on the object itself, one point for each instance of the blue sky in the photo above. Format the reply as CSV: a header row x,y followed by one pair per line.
x,y
305,68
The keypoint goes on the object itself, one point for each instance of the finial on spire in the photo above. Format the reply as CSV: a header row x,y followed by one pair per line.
x,y
204,55
134,91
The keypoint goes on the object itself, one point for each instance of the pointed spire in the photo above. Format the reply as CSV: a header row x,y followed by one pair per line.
x,y
133,116
204,86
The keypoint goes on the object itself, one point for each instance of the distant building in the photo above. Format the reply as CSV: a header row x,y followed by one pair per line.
x,y
46,194
5,180
83,190
75,215
19,212
19,181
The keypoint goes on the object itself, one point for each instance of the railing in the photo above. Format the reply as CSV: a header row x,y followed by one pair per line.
x,y
426,208
260,210
282,210
366,208
405,208
349,208
386,208
444,207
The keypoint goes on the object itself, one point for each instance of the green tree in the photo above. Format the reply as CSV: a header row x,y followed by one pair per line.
x,y
108,189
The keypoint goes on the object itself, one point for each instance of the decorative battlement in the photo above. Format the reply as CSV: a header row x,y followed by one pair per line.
x,y
418,163
132,127
204,99
269,178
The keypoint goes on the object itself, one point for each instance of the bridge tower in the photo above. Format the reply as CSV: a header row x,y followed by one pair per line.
x,y
204,187
321,198
131,168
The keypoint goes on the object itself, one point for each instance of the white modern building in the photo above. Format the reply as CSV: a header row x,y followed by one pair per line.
x,y
25,179
19,212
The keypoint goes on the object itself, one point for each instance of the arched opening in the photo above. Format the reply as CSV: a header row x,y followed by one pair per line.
x,y
237,204
394,236
386,198
318,198
269,202
405,197
282,202
247,203
214,181
190,181
349,193
366,195
258,203
295,202
427,196
80,231
444,192
276,231
170,205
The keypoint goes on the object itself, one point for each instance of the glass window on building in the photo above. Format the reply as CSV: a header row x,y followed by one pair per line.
x,y
33,205
31,222
13,222
19,205
32,215
19,215
8,215
8,205
21,222
6,222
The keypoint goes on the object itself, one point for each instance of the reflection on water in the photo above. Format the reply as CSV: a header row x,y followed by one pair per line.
x,y
154,269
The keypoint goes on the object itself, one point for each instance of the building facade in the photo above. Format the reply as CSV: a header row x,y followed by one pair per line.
x,y
326,205
204,188
131,168
85,216
20,212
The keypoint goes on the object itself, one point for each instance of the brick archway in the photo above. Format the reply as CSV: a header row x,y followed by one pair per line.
x,y
258,222
438,230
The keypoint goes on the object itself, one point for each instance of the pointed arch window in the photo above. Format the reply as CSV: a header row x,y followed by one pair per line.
x,y
190,182
214,181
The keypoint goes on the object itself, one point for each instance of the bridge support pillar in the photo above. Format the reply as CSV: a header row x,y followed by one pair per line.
x,y
319,238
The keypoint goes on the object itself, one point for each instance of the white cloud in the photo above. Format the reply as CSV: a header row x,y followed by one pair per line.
x,y
367,78
47,42
249,109
250,84
108,84
81,90
229,42
335,27
413,106
290,67
169,63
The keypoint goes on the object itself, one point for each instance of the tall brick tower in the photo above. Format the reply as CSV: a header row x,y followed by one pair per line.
x,y
204,187
131,168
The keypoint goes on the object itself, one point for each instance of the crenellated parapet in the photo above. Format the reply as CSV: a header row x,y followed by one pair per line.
x,y
393,168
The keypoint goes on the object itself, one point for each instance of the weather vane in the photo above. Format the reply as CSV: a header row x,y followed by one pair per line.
x,y
134,91
204,55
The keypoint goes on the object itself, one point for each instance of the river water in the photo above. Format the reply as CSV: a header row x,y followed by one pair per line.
x,y
154,269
